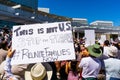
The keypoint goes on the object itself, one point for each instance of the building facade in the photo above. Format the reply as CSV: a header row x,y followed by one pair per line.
x,y
28,3
47,10
17,12
102,23
78,22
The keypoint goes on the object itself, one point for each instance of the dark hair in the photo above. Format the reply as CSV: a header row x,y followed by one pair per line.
x,y
2,38
106,42
74,67
4,45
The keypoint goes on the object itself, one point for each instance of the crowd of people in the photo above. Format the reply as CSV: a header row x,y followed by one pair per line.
x,y
93,62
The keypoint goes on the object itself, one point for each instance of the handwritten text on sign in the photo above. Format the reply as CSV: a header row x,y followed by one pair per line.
x,y
42,43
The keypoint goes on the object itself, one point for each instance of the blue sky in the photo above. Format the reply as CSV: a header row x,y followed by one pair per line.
x,y
90,9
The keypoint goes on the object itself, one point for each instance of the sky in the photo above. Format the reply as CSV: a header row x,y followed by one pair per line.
x,y
92,10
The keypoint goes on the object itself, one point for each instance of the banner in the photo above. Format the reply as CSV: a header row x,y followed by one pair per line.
x,y
42,43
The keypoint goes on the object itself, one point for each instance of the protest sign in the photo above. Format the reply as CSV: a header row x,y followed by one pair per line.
x,y
42,43
103,38
90,37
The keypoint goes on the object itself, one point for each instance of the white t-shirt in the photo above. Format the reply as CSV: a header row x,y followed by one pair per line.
x,y
91,67
105,52
112,68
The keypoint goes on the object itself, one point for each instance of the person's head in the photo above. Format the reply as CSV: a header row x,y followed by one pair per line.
x,y
94,50
82,47
113,51
2,38
106,43
85,53
4,45
5,29
114,43
74,67
39,71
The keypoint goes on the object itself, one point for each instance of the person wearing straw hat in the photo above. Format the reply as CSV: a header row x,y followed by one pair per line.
x,y
90,66
112,65
39,71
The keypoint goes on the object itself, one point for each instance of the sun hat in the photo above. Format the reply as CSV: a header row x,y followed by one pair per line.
x,y
39,71
113,51
94,50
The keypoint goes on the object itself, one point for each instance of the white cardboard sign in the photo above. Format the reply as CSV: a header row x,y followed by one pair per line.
x,y
42,43
90,37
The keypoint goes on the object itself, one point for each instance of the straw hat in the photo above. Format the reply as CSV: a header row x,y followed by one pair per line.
x,y
39,71
94,50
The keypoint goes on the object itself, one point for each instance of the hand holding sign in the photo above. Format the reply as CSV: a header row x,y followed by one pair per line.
x,y
10,53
